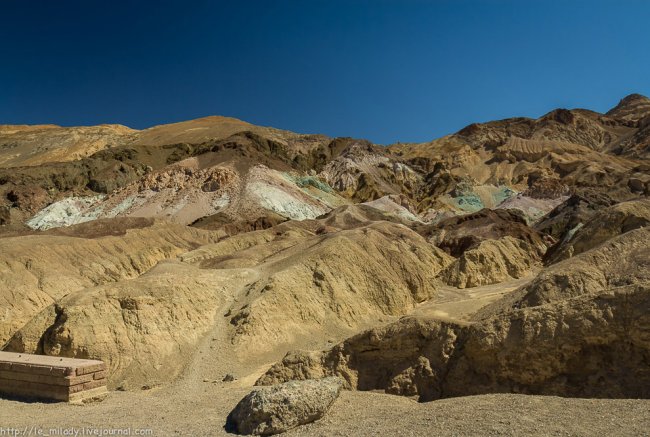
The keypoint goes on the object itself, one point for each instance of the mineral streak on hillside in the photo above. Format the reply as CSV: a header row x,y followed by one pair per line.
x,y
511,256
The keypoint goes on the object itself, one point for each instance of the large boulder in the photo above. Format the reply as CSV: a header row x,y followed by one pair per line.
x,y
274,410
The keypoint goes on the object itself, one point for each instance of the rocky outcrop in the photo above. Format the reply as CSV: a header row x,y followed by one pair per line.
x,y
457,234
546,188
633,108
491,262
600,227
127,157
577,149
620,261
560,126
185,193
282,286
591,346
274,410
34,145
143,329
396,206
38,270
389,358
231,227
364,172
577,209
578,329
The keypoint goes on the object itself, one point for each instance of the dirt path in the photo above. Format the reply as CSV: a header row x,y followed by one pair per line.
x,y
215,356
458,304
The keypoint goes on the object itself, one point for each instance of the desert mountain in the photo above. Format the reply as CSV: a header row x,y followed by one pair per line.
x,y
511,256
525,164
41,144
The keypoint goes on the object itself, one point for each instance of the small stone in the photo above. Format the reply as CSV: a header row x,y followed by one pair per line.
x,y
636,185
229,378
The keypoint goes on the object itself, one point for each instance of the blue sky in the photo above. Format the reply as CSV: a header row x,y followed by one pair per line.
x,y
383,70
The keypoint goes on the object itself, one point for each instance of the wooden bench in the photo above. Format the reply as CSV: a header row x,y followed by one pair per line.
x,y
51,378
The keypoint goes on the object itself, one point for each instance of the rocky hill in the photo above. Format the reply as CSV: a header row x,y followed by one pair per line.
x,y
511,256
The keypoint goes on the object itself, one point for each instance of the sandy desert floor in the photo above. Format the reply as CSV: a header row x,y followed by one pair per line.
x,y
203,412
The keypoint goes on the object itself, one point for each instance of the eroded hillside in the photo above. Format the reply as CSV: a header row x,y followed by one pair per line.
x,y
511,256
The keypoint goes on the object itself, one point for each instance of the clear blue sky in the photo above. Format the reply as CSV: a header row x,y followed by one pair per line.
x,y
383,70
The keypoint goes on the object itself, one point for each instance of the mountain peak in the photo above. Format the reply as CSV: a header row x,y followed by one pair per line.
x,y
632,107
634,96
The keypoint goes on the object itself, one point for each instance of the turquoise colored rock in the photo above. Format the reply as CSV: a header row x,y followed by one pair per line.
x,y
309,181
503,193
469,202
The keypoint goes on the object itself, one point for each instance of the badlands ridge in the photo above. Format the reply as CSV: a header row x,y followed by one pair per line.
x,y
508,259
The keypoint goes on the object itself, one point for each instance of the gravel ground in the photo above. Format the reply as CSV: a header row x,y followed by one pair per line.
x,y
204,412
